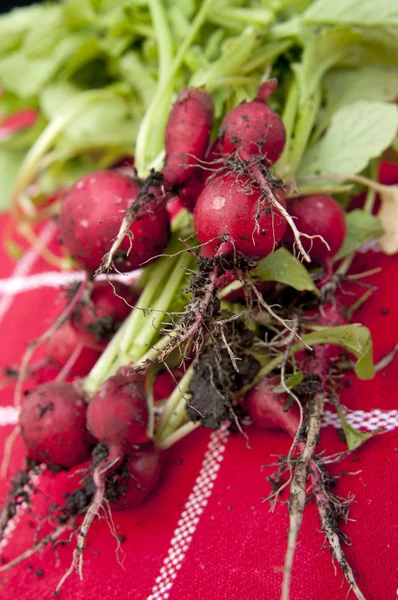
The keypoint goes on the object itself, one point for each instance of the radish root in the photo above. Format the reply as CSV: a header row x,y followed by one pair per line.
x,y
298,488
48,539
92,512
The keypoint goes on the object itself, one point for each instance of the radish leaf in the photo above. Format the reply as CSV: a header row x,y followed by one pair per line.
x,y
355,338
283,267
357,133
353,12
354,438
361,228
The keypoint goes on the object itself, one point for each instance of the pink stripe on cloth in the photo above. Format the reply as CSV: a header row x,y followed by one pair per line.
x,y
26,263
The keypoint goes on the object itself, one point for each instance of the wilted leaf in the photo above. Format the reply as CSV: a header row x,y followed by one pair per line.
x,y
388,216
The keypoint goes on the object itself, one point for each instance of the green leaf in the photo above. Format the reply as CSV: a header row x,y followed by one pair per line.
x,y
346,86
379,45
110,122
361,228
55,95
353,12
283,267
355,338
134,72
321,52
26,76
45,33
10,162
354,438
357,133
14,25
79,13
291,382
87,51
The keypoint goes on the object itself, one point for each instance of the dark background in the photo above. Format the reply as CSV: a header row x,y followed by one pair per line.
x,y
7,5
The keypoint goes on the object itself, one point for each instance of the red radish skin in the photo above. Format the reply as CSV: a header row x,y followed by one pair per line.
x,y
266,90
98,319
23,119
53,425
224,280
90,218
62,344
318,215
192,189
118,414
187,135
228,207
139,476
254,128
266,408
165,384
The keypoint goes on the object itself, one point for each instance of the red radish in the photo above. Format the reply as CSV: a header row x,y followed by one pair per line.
x,y
126,166
118,414
318,216
53,425
324,356
165,383
187,135
174,206
266,90
193,188
135,479
229,277
266,407
61,346
125,162
22,119
253,128
90,219
234,208
98,319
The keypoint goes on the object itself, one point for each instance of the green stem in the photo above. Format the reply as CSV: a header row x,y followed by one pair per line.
x,y
150,380
251,16
160,274
159,107
178,435
371,195
103,366
115,354
174,401
266,55
307,115
289,119
154,352
163,37
144,337
230,61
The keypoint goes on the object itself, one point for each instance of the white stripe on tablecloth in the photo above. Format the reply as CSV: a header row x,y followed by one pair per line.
x,y
26,263
55,279
190,516
360,419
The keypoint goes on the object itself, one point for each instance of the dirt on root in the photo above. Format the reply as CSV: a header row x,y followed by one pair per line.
x,y
219,373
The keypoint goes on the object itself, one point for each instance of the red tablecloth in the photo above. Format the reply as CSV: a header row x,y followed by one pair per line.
x,y
205,533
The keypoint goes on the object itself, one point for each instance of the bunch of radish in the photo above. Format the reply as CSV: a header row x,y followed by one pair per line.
x,y
114,220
